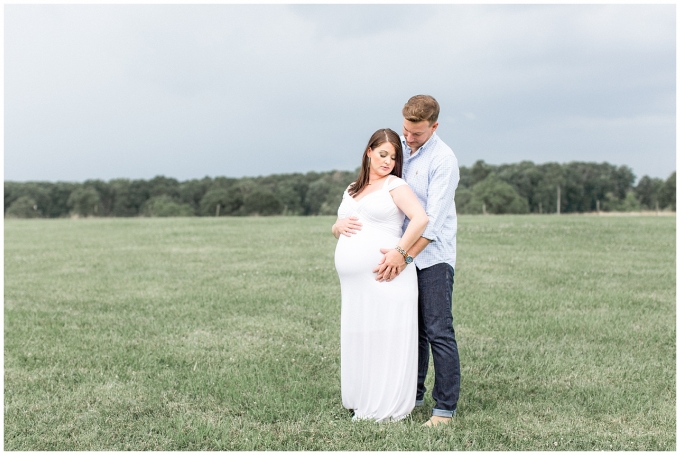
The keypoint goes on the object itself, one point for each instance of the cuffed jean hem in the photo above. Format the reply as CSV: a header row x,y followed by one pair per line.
x,y
442,413
420,402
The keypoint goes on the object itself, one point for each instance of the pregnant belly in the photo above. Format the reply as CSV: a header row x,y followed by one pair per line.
x,y
360,253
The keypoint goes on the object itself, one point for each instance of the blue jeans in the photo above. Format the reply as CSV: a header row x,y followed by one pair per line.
x,y
435,330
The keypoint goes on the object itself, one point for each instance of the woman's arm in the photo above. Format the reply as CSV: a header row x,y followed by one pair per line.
x,y
334,229
406,200
393,261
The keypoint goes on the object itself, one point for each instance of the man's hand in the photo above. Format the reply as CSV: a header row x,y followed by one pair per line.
x,y
391,265
348,226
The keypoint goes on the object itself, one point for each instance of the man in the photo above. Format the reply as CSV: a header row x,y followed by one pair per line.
x,y
431,170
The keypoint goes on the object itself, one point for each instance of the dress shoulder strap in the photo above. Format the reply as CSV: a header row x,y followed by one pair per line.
x,y
394,183
387,181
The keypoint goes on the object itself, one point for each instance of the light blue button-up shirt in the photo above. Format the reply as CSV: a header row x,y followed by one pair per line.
x,y
433,175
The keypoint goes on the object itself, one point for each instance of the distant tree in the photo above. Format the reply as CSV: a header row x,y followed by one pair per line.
x,y
630,203
523,177
291,192
192,191
497,196
129,196
261,202
58,199
648,191
23,207
581,186
139,191
230,201
164,205
38,191
121,201
582,182
106,196
462,199
572,189
545,192
623,179
84,201
224,182
160,185
332,202
50,198
534,175
667,194
465,177
586,184
612,203
13,191
480,170
316,196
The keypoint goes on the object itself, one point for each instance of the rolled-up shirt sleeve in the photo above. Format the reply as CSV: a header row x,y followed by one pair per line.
x,y
444,177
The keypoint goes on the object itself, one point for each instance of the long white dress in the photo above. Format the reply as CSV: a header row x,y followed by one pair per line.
x,y
379,320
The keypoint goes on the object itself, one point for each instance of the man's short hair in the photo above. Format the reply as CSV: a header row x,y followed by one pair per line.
x,y
421,107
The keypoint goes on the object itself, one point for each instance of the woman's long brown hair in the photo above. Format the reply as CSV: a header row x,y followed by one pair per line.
x,y
379,137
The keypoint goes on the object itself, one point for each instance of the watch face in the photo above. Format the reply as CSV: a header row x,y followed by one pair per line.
x,y
409,259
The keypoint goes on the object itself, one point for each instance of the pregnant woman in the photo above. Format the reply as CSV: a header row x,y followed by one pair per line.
x,y
379,320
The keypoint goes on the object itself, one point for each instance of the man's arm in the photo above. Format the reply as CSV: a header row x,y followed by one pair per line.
x,y
414,251
418,247
441,191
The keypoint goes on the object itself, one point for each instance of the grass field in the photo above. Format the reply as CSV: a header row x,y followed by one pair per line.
x,y
223,334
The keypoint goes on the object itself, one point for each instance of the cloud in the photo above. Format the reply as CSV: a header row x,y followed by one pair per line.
x,y
188,90
352,22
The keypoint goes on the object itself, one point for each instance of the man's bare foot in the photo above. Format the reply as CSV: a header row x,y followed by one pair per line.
x,y
437,420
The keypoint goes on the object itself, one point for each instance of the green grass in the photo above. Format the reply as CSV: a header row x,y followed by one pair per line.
x,y
223,334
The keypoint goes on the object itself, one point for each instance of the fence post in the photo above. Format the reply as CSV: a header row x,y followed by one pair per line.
x,y
558,199
597,203
217,210
657,208
540,208
484,208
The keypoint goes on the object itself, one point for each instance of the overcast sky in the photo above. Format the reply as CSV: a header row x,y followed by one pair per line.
x,y
185,91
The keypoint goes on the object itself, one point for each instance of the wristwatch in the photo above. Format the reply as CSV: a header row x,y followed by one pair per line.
x,y
407,258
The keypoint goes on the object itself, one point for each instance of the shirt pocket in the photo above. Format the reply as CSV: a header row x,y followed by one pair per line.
x,y
419,182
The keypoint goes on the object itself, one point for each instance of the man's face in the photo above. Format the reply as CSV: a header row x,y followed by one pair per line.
x,y
416,134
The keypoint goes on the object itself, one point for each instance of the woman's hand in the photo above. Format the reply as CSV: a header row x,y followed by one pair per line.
x,y
346,226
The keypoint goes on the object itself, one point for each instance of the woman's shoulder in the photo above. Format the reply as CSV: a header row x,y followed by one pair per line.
x,y
395,182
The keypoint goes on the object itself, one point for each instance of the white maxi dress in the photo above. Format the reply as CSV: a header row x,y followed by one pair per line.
x,y
379,320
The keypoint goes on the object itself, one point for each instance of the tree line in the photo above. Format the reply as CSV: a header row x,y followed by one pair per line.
x,y
484,188
582,187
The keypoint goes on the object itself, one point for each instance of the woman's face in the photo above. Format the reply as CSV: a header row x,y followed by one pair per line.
x,y
382,159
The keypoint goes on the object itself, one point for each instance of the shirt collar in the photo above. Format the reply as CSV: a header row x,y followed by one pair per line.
x,y
423,148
